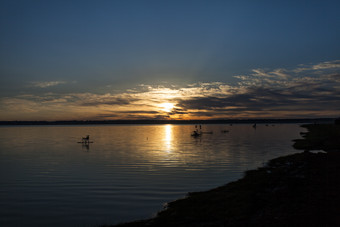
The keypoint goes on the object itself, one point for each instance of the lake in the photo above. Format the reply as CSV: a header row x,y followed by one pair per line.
x,y
129,171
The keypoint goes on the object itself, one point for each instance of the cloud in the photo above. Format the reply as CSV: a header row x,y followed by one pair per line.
x,y
333,77
279,92
306,91
328,65
138,112
107,99
45,84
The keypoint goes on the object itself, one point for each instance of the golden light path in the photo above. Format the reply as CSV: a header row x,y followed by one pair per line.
x,y
168,138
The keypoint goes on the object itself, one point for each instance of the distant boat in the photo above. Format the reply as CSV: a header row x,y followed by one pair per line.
x,y
224,131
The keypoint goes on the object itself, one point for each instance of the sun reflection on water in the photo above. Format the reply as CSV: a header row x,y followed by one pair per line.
x,y
168,138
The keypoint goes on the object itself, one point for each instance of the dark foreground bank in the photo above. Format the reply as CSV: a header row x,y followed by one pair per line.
x,y
296,190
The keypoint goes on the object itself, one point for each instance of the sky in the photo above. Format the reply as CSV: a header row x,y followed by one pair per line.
x,y
145,59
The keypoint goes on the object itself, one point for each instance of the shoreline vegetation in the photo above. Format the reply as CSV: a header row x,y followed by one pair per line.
x,y
220,121
301,189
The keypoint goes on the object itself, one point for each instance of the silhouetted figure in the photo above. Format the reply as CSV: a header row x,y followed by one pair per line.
x,y
195,133
254,126
86,139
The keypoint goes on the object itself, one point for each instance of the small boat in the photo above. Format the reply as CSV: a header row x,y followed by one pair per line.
x,y
224,131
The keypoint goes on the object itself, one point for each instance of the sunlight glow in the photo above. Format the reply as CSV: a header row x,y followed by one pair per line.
x,y
167,106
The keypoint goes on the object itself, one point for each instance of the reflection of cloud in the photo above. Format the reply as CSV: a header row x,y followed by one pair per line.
x,y
46,84
308,91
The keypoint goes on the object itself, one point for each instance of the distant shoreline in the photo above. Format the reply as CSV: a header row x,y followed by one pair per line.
x,y
119,122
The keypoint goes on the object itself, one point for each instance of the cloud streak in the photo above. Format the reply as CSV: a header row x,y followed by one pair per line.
x,y
46,84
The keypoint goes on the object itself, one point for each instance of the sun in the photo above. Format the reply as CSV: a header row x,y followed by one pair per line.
x,y
167,107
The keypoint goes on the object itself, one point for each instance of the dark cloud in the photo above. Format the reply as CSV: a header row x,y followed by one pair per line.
x,y
298,97
177,111
108,101
334,77
104,116
205,103
253,98
132,115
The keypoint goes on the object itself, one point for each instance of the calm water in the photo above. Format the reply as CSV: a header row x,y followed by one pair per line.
x,y
128,173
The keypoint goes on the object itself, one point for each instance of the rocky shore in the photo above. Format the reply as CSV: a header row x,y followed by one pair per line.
x,y
302,189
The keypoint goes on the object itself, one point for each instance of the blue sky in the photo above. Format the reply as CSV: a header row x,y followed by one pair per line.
x,y
50,50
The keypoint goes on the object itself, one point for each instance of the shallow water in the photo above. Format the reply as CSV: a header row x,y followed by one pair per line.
x,y
128,173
